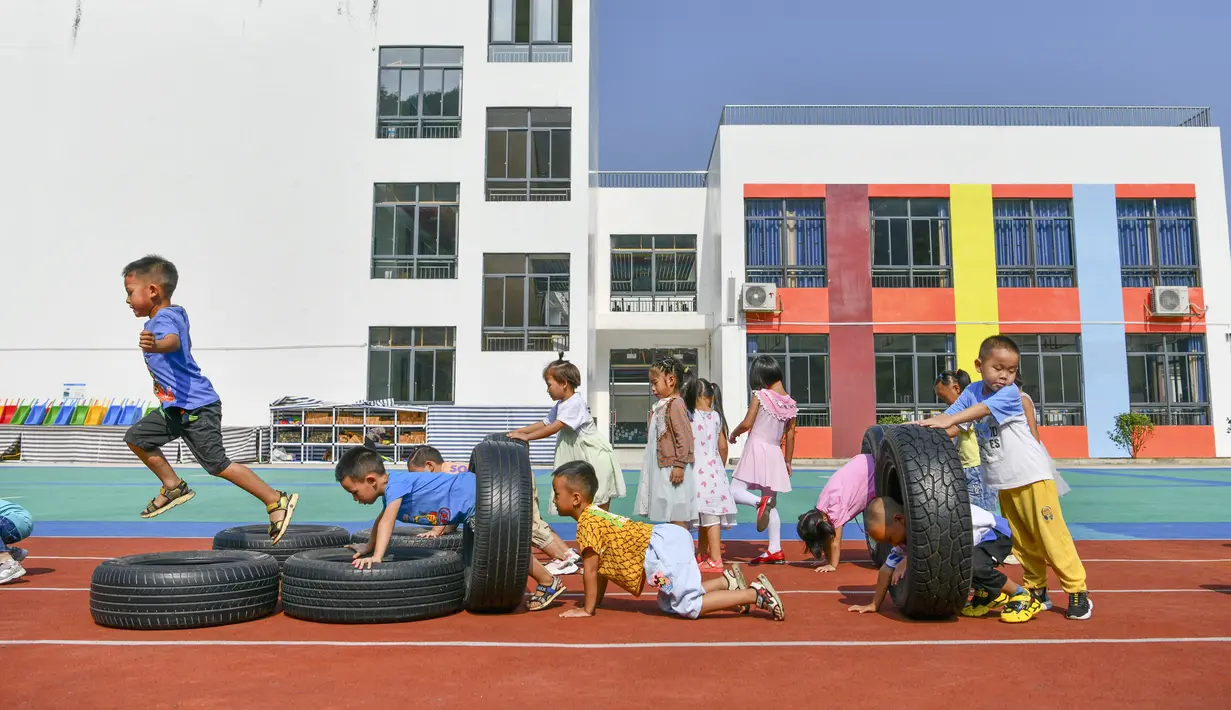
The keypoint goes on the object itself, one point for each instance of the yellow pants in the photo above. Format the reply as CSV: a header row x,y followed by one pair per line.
x,y
1040,536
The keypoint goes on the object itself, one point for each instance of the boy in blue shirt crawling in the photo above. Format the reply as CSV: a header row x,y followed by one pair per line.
x,y
191,410
441,500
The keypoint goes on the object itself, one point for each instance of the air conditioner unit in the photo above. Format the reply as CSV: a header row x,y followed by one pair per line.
x,y
1169,301
758,298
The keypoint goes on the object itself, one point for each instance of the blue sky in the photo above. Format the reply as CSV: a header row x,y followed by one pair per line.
x,y
666,67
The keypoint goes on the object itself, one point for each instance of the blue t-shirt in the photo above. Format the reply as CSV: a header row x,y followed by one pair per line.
x,y
1011,456
432,498
18,516
178,381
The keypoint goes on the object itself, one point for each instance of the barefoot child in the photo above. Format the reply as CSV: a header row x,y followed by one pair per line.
x,y
845,495
191,409
15,526
631,553
715,506
764,470
668,488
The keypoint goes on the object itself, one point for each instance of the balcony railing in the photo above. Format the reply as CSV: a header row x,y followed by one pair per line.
x,y
419,128
527,191
1042,277
413,268
656,303
787,277
514,53
1175,415
550,341
907,411
1155,116
648,178
1059,415
1147,276
911,277
812,415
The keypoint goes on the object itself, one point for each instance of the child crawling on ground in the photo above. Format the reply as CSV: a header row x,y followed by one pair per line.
x,y
631,553
886,523
442,500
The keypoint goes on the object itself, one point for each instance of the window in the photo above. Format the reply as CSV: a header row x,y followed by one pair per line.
x,y
784,242
414,231
910,243
1167,378
805,365
1050,373
631,398
653,273
531,31
525,302
1158,243
420,92
528,154
411,365
1034,243
906,370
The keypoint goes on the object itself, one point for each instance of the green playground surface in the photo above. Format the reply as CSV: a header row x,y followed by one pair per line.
x,y
1124,502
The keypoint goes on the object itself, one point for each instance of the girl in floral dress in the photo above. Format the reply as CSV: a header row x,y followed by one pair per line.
x,y
715,506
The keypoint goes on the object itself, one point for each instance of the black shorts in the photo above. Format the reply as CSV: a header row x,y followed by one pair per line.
x,y
988,556
200,428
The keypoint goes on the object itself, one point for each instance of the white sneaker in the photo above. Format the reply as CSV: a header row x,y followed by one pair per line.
x,y
11,570
1011,560
568,565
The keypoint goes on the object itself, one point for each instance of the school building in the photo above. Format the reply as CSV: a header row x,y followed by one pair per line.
x,y
403,201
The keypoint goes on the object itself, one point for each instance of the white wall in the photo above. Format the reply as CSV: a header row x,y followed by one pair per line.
x,y
237,139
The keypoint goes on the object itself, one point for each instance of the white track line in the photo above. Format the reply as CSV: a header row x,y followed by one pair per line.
x,y
601,646
792,564
1216,589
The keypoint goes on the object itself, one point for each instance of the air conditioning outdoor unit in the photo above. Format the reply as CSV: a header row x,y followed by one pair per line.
x,y
758,298
1169,301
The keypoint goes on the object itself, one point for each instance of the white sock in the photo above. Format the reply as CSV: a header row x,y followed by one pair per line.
x,y
741,494
775,531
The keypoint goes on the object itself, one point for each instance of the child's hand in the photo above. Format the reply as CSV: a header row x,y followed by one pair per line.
x,y
148,343
517,436
434,532
360,548
940,421
677,476
826,568
898,573
365,562
789,472
574,613
862,608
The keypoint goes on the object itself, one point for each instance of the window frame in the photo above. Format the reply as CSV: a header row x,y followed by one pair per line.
x,y
550,338
917,408
656,299
531,50
1034,273
1062,413
811,413
419,126
1154,272
914,275
533,189
787,274
417,346
1170,412
382,264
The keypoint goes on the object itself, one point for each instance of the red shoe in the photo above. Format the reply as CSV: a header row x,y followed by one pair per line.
x,y
763,508
767,558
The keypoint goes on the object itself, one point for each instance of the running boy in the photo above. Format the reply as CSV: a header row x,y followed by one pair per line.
x,y
15,526
630,553
191,409
1018,466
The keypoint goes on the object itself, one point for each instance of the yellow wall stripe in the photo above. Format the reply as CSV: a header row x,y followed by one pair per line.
x,y
974,269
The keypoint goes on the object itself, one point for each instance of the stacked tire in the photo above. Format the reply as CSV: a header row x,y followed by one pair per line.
x,y
298,538
409,536
410,584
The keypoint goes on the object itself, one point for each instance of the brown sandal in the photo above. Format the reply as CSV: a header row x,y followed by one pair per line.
x,y
287,503
180,494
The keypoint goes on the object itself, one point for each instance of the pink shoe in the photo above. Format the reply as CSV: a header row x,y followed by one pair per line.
x,y
711,566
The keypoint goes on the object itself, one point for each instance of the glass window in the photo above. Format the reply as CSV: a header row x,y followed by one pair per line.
x,y
910,243
784,242
420,92
805,365
906,370
526,302
653,273
531,31
529,154
1034,243
1158,243
411,365
1050,373
414,231
1167,378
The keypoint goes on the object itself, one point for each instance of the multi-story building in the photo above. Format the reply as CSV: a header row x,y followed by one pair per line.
x,y
390,200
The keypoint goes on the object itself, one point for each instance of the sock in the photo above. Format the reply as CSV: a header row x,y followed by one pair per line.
x,y
741,494
1020,590
775,531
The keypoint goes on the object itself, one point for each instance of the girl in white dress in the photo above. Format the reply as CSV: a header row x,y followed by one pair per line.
x,y
715,506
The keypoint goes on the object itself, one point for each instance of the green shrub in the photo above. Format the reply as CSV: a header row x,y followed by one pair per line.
x,y
1131,432
891,419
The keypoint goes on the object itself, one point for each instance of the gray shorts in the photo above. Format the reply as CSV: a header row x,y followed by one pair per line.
x,y
200,428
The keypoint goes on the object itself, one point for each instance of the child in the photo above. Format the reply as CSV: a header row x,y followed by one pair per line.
x,y
15,526
1018,466
949,386
423,498
886,523
191,409
715,506
764,467
630,553
845,495
668,488
428,458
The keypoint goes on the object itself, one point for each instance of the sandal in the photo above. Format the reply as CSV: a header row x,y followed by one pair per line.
x,y
544,596
180,494
286,503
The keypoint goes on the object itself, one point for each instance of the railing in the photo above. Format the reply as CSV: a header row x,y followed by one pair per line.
x,y
787,277
525,341
412,268
1147,276
678,303
812,416
1043,277
523,191
419,128
1175,415
1061,416
648,178
906,411
516,53
1159,116
911,277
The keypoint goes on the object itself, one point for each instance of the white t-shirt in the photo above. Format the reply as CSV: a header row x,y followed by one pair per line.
x,y
574,412
1012,457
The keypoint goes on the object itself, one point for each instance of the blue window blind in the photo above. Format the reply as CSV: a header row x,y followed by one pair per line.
x,y
1034,243
1158,242
785,242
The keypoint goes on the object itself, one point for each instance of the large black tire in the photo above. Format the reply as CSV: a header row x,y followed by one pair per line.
x,y
502,436
496,547
299,538
872,439
183,590
410,584
408,536
919,468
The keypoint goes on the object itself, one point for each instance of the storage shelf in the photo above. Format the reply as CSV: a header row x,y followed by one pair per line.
x,y
323,434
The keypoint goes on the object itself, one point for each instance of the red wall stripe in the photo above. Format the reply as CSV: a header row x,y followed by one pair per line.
x,y
852,375
783,191
1137,317
1147,192
1032,306
908,191
1025,192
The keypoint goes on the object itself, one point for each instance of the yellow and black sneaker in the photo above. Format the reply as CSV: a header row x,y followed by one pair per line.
x,y
1020,608
979,605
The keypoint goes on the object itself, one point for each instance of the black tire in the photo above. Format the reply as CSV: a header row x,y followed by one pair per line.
x,y
496,545
502,436
408,536
183,590
409,585
299,538
872,439
920,469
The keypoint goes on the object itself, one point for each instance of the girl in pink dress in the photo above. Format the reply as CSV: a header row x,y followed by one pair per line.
x,y
715,506
763,471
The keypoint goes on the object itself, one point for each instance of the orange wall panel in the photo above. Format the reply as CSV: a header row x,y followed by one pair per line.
x,y
798,305
913,310
783,192
1026,192
908,190
1151,192
1180,442
813,442
1066,442
1040,305
1138,319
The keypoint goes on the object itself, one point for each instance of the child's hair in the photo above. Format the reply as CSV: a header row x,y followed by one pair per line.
x,y
357,463
562,370
948,377
764,372
580,476
156,269
880,511
710,390
675,368
423,454
815,531
997,342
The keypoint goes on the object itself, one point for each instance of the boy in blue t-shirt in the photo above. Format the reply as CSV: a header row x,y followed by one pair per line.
x,y
191,409
15,526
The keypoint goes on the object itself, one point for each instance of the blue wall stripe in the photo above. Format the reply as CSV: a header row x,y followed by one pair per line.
x,y
1104,359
